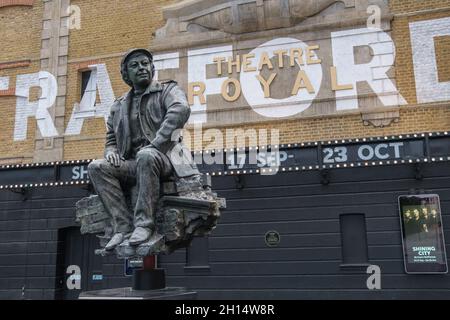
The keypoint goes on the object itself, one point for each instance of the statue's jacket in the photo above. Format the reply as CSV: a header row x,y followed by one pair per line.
x,y
164,111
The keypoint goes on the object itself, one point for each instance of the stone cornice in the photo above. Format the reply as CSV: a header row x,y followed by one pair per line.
x,y
15,64
205,22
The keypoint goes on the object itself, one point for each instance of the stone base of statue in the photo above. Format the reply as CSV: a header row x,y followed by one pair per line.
x,y
130,294
187,208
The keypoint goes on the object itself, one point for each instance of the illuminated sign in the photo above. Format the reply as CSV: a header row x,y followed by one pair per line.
x,y
422,234
414,149
279,78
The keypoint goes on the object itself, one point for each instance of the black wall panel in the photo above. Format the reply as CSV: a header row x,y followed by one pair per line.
x,y
306,264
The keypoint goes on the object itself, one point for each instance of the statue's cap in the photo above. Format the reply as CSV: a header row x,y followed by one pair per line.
x,y
134,51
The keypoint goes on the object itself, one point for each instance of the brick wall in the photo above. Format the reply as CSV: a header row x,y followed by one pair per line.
x,y
20,54
412,119
111,27
410,6
422,119
404,61
106,34
26,43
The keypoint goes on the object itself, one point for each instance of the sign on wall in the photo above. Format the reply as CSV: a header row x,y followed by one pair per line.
x,y
261,79
422,233
284,77
417,149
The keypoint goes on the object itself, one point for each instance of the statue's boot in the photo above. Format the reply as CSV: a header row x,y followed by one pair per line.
x,y
140,235
117,239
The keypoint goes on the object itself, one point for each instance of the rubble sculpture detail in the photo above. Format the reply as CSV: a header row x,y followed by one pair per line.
x,y
151,198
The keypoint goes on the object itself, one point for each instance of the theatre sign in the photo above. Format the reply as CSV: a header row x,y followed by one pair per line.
x,y
248,61
245,61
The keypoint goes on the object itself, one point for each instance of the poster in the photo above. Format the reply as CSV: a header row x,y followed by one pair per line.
x,y
422,233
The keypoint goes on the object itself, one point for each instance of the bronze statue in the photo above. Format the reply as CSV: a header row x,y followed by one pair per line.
x,y
143,150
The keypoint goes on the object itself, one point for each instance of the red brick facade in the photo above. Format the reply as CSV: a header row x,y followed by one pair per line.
x,y
10,3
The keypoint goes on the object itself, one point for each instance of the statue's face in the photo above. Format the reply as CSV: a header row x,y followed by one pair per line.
x,y
408,214
139,70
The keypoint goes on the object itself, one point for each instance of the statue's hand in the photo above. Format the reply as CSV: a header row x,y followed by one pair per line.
x,y
113,158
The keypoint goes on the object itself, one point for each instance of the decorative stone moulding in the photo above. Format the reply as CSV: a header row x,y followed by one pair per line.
x,y
10,3
380,119
241,16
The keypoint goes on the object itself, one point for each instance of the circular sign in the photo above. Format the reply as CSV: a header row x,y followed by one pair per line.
x,y
272,238
280,108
